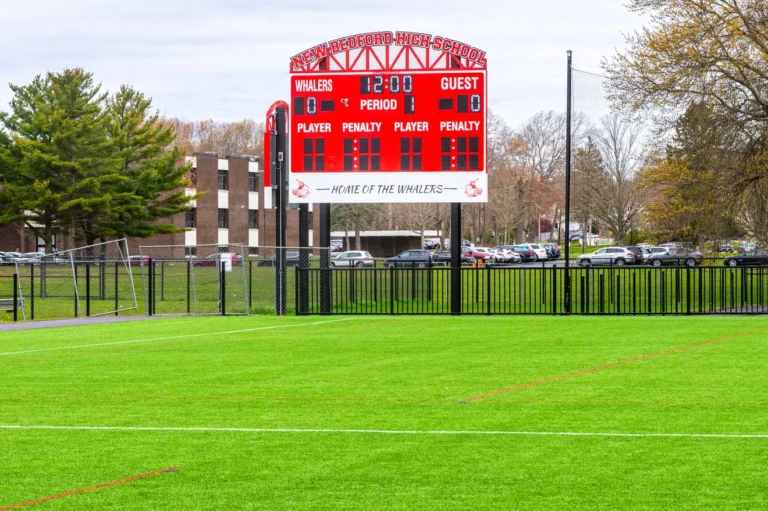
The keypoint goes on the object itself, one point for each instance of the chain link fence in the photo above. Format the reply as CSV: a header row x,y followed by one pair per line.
x,y
199,280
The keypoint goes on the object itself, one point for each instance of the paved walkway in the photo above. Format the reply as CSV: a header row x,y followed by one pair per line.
x,y
34,325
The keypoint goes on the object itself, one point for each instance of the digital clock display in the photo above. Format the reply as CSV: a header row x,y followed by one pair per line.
x,y
409,121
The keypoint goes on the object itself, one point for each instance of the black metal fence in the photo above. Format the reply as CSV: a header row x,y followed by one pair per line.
x,y
535,290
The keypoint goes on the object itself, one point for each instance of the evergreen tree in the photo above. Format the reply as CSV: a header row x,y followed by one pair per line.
x,y
153,184
63,152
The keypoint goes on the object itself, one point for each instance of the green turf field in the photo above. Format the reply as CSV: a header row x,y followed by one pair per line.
x,y
388,413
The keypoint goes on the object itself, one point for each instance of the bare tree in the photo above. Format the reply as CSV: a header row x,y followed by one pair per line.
x,y
244,137
416,216
613,198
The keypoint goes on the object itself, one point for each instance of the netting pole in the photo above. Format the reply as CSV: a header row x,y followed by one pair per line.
x,y
117,293
74,272
567,297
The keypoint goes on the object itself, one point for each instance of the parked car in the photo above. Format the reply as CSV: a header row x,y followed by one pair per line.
x,y
505,255
444,258
524,251
430,244
354,258
291,259
553,249
482,253
747,246
337,246
614,256
677,256
725,246
410,259
641,254
215,260
657,250
757,257
539,251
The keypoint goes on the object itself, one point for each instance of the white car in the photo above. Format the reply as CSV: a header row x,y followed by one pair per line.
x,y
356,258
613,256
539,251
505,255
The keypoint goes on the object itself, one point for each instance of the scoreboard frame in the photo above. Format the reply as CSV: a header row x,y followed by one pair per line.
x,y
352,144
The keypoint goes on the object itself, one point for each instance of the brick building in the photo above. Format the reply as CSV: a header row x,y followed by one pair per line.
x,y
234,209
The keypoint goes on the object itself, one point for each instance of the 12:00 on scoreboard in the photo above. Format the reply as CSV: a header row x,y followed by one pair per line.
x,y
388,122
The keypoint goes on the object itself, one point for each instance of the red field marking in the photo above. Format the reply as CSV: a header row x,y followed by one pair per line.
x,y
89,488
608,366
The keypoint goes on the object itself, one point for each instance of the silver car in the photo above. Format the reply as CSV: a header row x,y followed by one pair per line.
x,y
356,258
614,256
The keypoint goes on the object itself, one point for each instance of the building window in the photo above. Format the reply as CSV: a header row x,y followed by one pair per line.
x,y
223,219
223,179
223,249
253,182
190,218
310,219
253,219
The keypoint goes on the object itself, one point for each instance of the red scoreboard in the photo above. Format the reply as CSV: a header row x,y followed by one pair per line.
x,y
396,127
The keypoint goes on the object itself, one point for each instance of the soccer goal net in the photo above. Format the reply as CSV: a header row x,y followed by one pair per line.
x,y
93,280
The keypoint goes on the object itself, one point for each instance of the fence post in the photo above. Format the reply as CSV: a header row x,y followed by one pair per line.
x,y
32,291
223,290
488,290
15,297
430,279
553,285
351,285
162,281
391,290
189,285
117,292
250,283
296,304
150,291
413,281
87,289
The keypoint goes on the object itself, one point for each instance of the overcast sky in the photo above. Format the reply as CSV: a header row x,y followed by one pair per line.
x,y
229,59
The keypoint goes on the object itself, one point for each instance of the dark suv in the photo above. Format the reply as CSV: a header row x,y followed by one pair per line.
x,y
409,259
639,254
444,257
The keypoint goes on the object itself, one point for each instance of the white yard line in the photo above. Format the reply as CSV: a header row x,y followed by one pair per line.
x,y
393,431
184,336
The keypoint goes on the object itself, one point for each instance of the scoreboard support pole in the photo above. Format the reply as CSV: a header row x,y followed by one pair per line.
x,y
326,307
456,236
280,156
303,259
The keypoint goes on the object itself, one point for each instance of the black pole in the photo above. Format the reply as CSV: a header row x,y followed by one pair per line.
x,y
32,291
117,293
189,285
456,258
15,297
325,259
281,200
87,289
150,277
568,112
303,276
